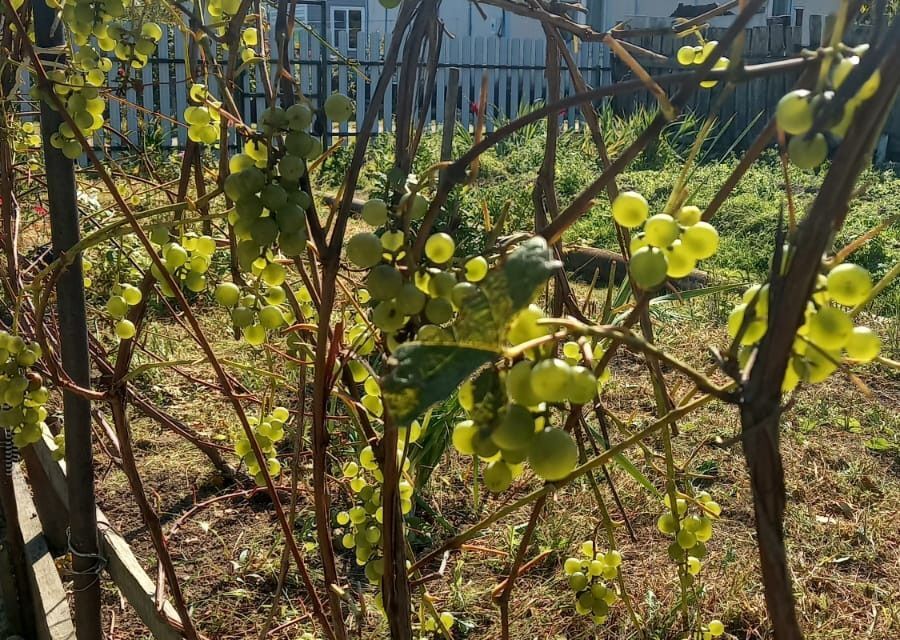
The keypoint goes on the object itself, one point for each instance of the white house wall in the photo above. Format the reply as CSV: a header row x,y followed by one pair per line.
x,y
463,19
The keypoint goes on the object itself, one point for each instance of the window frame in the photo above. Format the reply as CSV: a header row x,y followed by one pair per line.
x,y
347,9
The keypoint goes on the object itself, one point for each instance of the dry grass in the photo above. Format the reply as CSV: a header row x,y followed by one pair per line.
x,y
844,542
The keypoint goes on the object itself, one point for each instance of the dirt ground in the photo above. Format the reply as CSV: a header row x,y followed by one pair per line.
x,y
840,448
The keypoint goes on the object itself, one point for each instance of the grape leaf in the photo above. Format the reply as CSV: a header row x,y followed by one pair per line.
x,y
426,373
487,310
423,374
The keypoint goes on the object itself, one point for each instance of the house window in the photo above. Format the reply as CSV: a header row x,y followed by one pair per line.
x,y
781,7
350,21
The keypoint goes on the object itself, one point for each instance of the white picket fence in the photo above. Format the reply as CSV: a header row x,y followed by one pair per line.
x,y
146,106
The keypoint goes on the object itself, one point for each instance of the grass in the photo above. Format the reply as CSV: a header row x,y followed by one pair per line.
x,y
747,222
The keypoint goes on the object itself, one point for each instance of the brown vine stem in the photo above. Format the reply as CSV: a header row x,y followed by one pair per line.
x,y
761,397
503,599
330,264
148,515
580,470
198,334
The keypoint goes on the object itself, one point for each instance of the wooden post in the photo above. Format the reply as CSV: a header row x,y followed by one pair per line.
x,y
73,338
450,113
815,32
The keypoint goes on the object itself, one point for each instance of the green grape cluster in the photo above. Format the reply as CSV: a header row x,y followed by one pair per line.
x,y
202,116
798,110
260,309
80,94
270,206
25,136
504,433
690,531
828,333
131,43
121,298
87,265
590,577
79,85
268,432
187,260
432,294
360,527
667,246
429,627
694,55
712,629
22,391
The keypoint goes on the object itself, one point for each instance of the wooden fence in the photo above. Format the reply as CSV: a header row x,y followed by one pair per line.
x,y
146,106
746,109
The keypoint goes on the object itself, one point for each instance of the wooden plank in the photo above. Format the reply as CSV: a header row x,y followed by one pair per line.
x,y
181,95
815,32
131,115
51,604
492,46
165,83
114,111
388,104
374,73
123,567
503,76
515,60
465,81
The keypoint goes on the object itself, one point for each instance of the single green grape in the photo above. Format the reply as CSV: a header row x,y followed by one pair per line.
x,y
793,112
117,306
680,260
518,384
830,328
463,437
660,230
685,55
808,153
125,329
515,428
364,250
648,267
551,379
476,269
375,212
410,299
438,311
848,284
384,282
630,209
439,248
863,344
338,107
497,476
688,215
583,385
701,240
553,454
